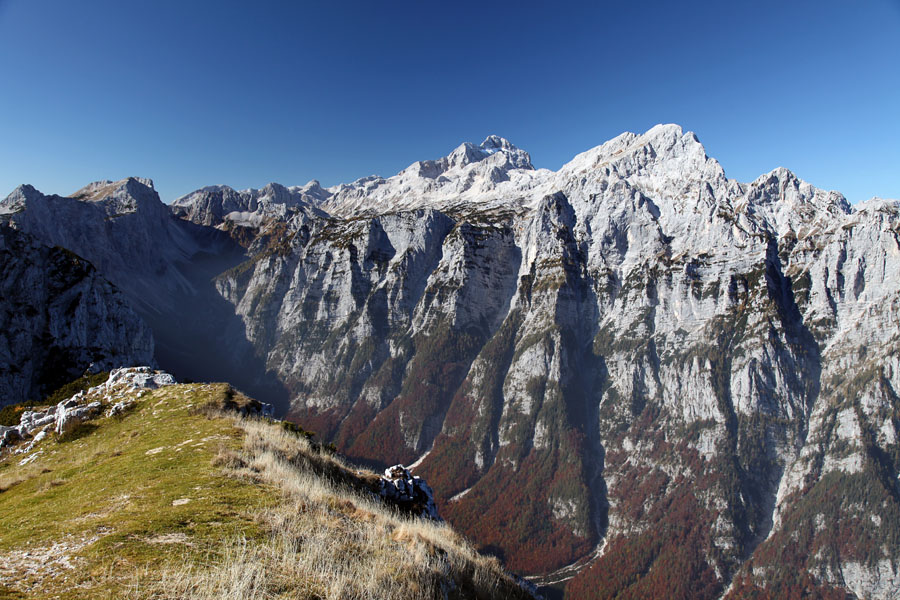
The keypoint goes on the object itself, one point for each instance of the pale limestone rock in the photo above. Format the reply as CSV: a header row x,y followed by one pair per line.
x,y
55,304
407,490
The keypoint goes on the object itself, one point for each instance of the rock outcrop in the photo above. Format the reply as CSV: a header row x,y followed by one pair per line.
x,y
68,419
137,378
68,414
408,491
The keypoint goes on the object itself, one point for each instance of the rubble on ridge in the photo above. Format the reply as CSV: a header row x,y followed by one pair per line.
x,y
65,416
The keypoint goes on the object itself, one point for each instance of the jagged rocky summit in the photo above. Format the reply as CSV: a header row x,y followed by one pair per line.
x,y
630,374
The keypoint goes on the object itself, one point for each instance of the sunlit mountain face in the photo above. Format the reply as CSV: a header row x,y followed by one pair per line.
x,y
631,376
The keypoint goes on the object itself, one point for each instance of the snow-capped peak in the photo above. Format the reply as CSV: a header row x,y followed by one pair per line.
x,y
493,143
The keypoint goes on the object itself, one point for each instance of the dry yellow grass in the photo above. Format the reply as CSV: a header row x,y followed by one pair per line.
x,y
175,501
330,538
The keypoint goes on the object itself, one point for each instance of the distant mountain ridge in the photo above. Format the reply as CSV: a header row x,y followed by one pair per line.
x,y
632,370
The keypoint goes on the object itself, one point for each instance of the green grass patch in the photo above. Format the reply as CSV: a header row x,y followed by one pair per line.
x,y
124,494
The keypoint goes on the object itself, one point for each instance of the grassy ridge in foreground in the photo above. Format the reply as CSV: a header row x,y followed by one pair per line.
x,y
176,499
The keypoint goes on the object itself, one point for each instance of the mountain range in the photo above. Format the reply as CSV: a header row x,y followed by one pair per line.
x,y
631,377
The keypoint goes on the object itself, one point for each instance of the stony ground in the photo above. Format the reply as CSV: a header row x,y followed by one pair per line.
x,y
79,514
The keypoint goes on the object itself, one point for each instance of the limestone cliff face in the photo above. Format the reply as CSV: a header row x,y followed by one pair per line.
x,y
58,318
632,333
634,368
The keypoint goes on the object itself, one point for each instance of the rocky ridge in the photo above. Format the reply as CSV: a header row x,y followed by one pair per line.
x,y
671,369
133,502
118,394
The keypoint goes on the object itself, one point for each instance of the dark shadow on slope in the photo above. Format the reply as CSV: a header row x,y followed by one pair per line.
x,y
802,347
198,335
589,373
581,389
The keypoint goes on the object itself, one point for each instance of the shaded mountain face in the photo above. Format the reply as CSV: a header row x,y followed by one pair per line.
x,y
58,318
164,266
634,370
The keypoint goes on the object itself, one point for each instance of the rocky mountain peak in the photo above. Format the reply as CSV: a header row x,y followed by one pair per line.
x,y
210,190
120,197
312,192
492,143
275,192
463,155
313,186
669,134
99,190
518,158
19,197
112,198
665,164
787,203
144,181
663,145
467,153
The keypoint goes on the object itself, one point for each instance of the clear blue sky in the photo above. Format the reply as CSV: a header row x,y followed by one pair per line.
x,y
195,93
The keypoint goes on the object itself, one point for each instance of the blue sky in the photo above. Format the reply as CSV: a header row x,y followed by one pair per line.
x,y
194,93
